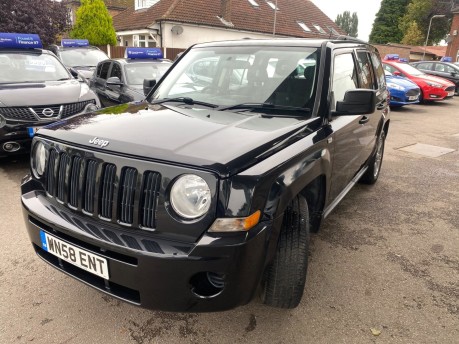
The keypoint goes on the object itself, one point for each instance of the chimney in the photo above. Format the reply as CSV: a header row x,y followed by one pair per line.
x,y
226,10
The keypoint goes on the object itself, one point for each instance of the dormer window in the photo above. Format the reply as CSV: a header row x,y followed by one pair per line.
x,y
304,26
139,4
318,28
253,3
272,5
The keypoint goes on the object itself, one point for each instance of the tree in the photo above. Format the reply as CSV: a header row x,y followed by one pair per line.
x,y
349,23
420,12
413,35
386,25
46,18
94,23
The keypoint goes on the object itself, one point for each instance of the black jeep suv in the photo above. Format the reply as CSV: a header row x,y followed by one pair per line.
x,y
205,194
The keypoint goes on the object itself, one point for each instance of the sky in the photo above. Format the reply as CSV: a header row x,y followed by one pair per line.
x,y
366,12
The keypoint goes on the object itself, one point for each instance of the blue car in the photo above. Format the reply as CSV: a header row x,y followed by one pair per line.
x,y
402,91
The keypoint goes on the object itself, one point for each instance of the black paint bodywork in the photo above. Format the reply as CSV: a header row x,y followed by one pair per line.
x,y
251,161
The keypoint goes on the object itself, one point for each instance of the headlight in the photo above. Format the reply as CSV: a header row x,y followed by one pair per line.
x,y
190,196
395,86
91,108
39,159
433,84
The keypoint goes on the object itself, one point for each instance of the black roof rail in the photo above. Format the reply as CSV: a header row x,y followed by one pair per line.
x,y
349,38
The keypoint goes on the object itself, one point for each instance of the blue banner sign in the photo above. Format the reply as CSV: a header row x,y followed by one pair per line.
x,y
392,57
446,59
405,60
144,53
74,42
20,40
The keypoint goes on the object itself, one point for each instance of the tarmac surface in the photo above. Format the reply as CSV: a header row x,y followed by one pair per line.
x,y
383,269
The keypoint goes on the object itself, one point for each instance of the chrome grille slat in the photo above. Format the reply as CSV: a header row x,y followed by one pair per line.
x,y
127,190
74,183
50,178
90,186
108,186
64,163
150,196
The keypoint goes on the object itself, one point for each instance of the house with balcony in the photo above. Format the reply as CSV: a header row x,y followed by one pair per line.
x,y
175,24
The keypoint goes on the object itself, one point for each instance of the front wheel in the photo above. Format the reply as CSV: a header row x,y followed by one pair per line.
x,y
285,278
374,166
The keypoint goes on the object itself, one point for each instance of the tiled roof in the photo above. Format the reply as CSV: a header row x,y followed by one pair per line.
x,y
243,16
436,50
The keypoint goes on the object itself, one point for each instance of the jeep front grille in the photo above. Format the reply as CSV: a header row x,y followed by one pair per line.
x,y
98,188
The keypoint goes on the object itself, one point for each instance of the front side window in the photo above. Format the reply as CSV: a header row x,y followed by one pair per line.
x,y
104,70
82,57
444,68
116,71
366,70
380,76
19,67
344,75
234,75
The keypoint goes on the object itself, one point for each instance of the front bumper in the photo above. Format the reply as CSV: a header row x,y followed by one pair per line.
x,y
435,93
400,98
171,278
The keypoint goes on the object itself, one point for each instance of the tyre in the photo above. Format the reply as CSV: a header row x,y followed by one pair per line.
x,y
374,166
285,278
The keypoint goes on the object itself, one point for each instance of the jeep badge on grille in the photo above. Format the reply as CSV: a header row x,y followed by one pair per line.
x,y
99,142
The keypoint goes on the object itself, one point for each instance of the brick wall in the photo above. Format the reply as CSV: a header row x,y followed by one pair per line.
x,y
453,46
384,49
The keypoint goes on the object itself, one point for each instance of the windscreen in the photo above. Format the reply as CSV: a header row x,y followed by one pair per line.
x,y
222,76
137,72
20,67
82,57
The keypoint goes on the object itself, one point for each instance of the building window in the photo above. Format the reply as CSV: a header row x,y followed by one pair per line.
x,y
144,41
304,26
253,3
139,4
333,31
318,28
272,5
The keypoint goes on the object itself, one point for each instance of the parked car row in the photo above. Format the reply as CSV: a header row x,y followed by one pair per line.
x,y
39,87
403,79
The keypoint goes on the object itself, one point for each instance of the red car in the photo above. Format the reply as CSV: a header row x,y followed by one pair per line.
x,y
432,87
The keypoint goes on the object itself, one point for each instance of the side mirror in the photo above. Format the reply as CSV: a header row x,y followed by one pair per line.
x,y
148,85
114,80
397,73
74,73
453,73
356,102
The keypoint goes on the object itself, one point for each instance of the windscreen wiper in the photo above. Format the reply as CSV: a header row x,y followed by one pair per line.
x,y
185,100
264,106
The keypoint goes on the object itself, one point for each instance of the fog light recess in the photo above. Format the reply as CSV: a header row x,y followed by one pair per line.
x,y
207,284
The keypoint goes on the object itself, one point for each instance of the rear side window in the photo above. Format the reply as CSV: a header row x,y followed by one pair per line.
x,y
344,75
367,77
425,66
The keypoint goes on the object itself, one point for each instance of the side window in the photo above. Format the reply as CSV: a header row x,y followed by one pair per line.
x,y
99,69
116,71
378,68
389,68
424,66
104,70
344,75
443,68
366,70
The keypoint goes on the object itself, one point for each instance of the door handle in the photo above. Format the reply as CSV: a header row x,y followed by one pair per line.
x,y
364,120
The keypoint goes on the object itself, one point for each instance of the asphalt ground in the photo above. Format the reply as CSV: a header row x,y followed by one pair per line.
x,y
383,269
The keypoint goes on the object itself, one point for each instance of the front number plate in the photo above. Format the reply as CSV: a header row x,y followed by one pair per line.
x,y
412,97
451,93
74,255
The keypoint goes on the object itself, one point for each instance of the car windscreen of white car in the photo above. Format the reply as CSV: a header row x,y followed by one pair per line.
x,y
82,57
20,67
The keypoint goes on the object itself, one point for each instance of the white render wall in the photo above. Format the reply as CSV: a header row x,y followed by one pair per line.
x,y
200,34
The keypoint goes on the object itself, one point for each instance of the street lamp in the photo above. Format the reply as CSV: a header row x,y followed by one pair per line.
x,y
428,32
